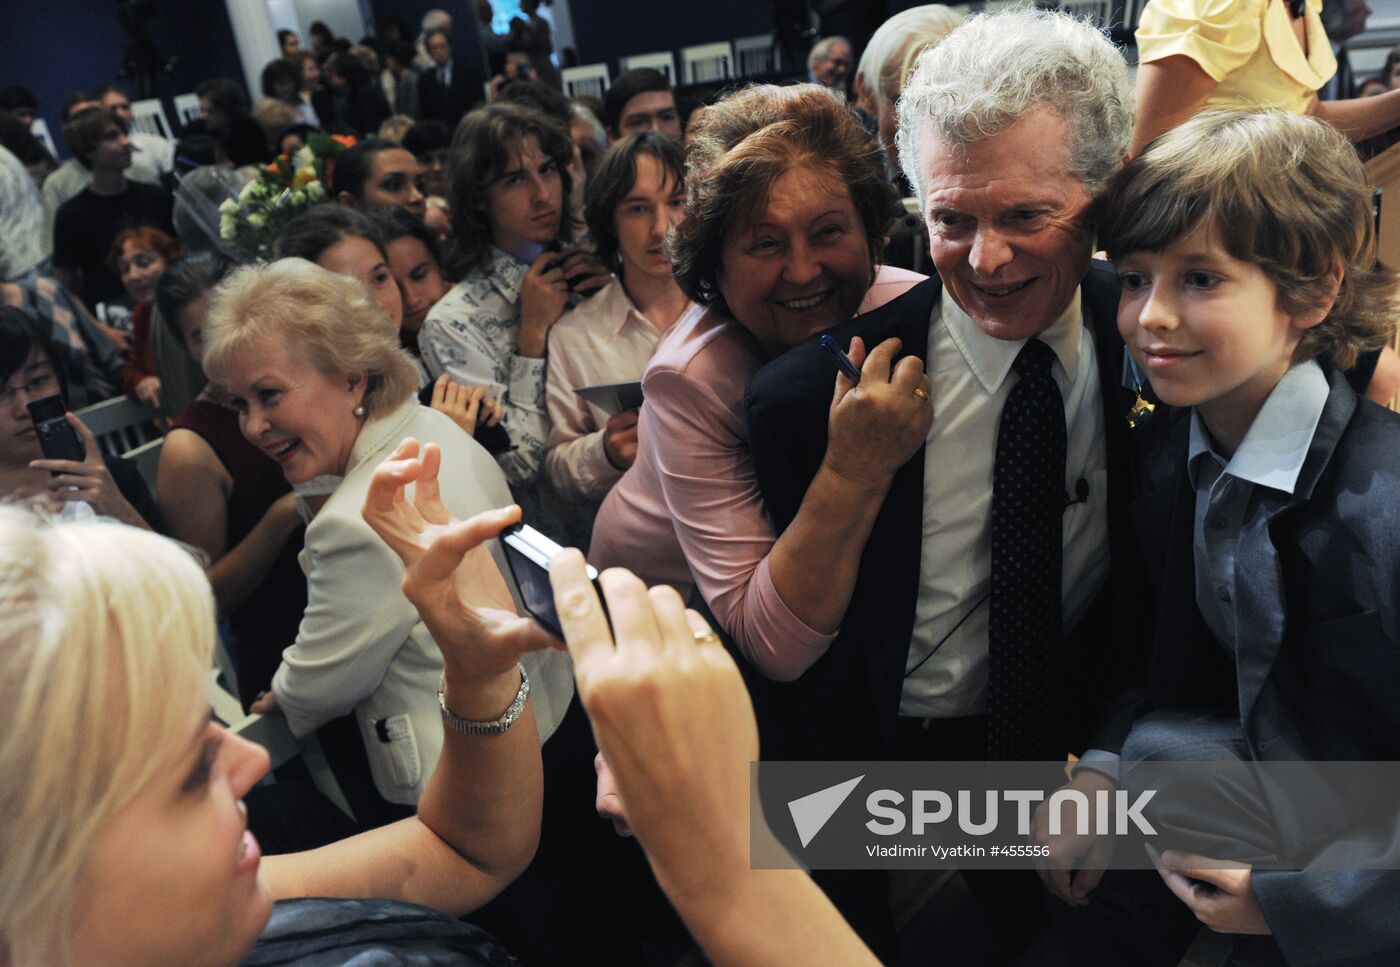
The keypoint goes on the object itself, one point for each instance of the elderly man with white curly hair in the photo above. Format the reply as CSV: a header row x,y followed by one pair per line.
x,y
983,621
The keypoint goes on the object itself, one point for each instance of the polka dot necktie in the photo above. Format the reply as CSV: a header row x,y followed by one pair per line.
x,y
1028,502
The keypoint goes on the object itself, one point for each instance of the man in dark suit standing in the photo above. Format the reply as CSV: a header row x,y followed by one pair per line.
x,y
448,89
1016,301
981,622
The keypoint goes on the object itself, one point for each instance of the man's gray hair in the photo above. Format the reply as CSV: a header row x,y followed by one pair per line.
x,y
437,19
996,68
822,49
578,114
889,55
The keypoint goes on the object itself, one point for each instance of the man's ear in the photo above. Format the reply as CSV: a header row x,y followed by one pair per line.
x,y
348,200
1333,285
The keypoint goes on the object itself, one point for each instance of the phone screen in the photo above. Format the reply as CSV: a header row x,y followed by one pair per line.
x,y
528,553
57,439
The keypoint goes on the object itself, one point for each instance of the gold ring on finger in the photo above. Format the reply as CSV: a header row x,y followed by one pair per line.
x,y
921,393
706,637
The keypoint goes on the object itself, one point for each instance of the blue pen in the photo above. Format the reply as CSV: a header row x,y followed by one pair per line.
x,y
842,361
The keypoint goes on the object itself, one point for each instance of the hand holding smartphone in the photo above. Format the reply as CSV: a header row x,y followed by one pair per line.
x,y
57,439
528,552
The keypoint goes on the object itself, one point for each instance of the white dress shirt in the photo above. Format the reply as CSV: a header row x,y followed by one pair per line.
x,y
971,375
603,340
153,151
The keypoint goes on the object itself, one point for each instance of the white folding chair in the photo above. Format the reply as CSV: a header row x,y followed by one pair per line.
x,y
707,62
589,79
1097,12
40,130
147,457
187,108
120,424
756,55
149,117
660,61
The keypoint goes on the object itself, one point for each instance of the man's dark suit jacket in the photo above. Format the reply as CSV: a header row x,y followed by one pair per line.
x,y
1318,663
846,705
363,110
448,104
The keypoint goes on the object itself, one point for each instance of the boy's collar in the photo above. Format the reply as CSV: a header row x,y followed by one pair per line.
x,y
1276,446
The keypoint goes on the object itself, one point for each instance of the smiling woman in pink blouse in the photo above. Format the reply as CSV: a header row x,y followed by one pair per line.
x,y
786,216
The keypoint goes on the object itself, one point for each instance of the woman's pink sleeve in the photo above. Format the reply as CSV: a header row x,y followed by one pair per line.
x,y
710,488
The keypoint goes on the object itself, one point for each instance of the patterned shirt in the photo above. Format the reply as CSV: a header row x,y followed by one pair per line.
x,y
92,364
24,230
472,334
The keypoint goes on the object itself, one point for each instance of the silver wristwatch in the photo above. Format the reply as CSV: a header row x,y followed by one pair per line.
x,y
469,727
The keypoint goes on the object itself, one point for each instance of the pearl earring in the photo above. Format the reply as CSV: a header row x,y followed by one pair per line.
x,y
360,410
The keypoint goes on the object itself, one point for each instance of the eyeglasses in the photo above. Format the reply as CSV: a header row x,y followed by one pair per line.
x,y
38,386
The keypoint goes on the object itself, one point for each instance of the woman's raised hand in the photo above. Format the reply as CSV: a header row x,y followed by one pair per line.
x,y
450,575
876,425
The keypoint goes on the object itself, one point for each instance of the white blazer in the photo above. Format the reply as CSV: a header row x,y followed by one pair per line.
x,y
361,645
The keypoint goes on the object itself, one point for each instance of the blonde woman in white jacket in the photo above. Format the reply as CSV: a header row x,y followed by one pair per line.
x,y
316,372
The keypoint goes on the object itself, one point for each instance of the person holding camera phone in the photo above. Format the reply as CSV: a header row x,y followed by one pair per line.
x,y
665,699
132,846
91,484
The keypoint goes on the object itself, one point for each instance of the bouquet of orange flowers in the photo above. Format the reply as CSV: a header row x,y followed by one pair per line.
x,y
282,190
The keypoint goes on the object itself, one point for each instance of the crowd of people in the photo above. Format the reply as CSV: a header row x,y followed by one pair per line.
x,y
1100,475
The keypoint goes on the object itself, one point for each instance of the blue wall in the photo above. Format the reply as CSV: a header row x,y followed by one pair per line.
x,y
55,47
605,30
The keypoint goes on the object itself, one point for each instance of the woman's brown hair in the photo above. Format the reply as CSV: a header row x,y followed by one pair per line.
x,y
744,143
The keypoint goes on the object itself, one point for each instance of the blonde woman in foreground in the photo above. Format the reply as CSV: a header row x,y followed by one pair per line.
x,y
123,840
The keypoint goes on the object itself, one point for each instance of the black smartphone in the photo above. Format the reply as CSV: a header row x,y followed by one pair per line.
x,y
57,439
558,246
528,553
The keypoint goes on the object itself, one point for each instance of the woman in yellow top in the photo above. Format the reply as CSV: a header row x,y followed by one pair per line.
x,y
1195,54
